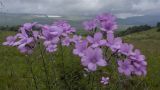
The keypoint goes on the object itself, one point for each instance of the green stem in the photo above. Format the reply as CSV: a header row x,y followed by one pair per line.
x,y
31,70
89,77
63,67
54,71
112,55
105,52
92,81
45,70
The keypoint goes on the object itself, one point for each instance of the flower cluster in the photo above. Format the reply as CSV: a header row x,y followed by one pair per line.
x,y
89,49
25,40
90,25
107,22
60,31
31,33
134,64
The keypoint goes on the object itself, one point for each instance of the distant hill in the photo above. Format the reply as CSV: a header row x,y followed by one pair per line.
x,y
16,19
140,20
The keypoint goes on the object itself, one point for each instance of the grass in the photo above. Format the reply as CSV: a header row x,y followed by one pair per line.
x,y
15,73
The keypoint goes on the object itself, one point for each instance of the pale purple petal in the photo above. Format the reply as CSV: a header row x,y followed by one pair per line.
x,y
92,67
97,36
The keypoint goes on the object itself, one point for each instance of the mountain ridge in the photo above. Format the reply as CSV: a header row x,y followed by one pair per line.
x,y
16,19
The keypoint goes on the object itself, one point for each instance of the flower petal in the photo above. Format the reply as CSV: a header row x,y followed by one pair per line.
x,y
97,36
102,62
92,67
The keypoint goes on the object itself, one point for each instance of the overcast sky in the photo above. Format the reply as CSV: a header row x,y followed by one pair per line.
x,y
121,8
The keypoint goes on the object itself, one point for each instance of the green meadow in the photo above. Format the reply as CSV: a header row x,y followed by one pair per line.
x,y
15,69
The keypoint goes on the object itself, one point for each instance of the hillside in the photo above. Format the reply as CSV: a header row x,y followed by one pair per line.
x,y
149,43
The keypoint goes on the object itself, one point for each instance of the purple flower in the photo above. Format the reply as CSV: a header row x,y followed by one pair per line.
x,y
93,58
66,41
104,17
113,43
25,40
126,49
136,61
76,39
136,55
96,40
36,35
125,67
89,25
51,48
140,71
108,26
51,36
28,26
25,43
67,29
80,47
51,44
139,63
10,40
53,41
25,49
51,31
105,80
107,22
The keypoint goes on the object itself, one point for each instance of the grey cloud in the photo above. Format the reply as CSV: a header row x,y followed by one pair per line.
x,y
67,7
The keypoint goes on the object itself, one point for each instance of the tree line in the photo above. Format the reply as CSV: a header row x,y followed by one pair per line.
x,y
9,28
139,28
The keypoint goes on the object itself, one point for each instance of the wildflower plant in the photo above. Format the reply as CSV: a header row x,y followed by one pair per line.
x,y
97,51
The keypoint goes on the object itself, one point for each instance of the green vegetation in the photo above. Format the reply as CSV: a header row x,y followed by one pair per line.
x,y
15,74
158,26
9,28
134,29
